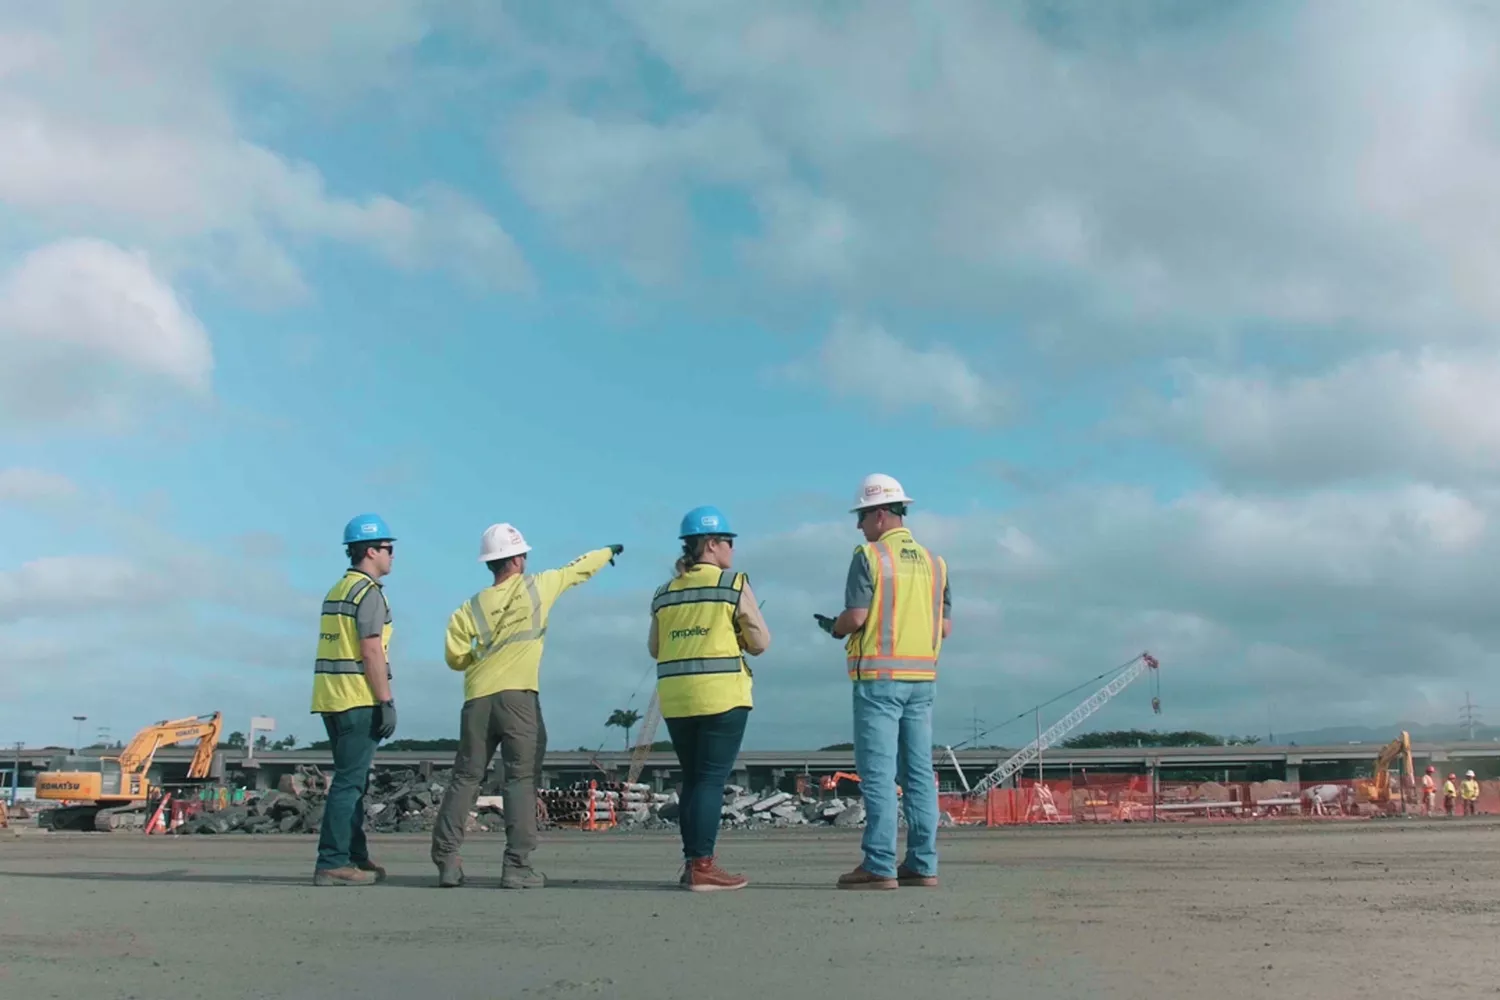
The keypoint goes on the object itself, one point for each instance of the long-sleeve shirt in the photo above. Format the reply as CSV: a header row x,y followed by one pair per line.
x,y
750,627
502,650
1469,789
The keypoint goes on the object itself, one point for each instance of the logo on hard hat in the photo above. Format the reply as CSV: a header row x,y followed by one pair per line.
x,y
515,535
874,489
367,529
709,520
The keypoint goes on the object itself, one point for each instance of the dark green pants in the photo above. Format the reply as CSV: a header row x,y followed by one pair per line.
x,y
512,721
342,839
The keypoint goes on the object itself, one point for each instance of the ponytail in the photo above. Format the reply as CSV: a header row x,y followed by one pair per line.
x,y
692,551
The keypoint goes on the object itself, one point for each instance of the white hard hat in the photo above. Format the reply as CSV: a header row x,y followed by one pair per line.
x,y
1468,774
877,490
501,541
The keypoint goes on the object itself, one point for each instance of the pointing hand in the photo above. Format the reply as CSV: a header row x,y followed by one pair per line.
x,y
825,623
615,550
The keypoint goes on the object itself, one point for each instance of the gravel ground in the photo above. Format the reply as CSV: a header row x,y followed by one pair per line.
x,y
1383,909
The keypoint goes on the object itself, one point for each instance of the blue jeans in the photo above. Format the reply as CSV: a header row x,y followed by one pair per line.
x,y
341,842
893,744
706,747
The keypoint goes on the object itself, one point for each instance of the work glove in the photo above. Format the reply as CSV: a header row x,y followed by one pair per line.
x,y
825,623
385,720
615,550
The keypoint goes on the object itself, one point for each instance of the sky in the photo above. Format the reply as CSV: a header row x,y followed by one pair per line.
x,y
1176,320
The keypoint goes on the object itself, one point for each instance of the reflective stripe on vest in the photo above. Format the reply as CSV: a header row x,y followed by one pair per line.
x,y
896,643
488,643
698,623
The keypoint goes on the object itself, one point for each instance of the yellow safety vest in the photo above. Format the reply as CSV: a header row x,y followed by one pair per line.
x,y
1470,789
903,634
339,674
700,669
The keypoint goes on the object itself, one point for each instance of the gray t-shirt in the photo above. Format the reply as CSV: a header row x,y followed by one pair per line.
x,y
373,613
859,588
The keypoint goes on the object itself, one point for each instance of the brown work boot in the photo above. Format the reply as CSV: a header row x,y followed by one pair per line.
x,y
905,876
861,879
369,866
703,875
347,875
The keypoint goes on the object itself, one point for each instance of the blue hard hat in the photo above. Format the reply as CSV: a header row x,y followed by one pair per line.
x,y
367,528
705,521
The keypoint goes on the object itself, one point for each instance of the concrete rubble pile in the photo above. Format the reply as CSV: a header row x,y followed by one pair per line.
x,y
398,801
748,810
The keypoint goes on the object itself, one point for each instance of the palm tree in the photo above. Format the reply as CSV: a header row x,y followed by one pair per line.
x,y
625,718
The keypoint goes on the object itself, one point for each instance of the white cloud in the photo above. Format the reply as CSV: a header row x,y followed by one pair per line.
x,y
1161,175
35,487
86,328
76,587
122,126
1430,414
864,363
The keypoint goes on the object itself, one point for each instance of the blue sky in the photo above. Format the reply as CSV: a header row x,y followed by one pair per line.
x,y
1179,333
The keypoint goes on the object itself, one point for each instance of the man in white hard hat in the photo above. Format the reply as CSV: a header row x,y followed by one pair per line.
x,y
1469,793
896,616
495,638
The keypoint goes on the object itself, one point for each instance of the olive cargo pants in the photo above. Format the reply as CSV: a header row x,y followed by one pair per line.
x,y
511,720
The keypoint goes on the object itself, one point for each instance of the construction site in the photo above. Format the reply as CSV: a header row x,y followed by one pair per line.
x,y
1123,872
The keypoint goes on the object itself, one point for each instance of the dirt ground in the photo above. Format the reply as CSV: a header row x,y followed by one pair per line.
x,y
1388,909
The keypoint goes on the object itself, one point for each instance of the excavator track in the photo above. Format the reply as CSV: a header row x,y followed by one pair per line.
x,y
131,817
66,818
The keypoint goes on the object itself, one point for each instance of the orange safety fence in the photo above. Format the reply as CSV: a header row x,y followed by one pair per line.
x,y
1126,798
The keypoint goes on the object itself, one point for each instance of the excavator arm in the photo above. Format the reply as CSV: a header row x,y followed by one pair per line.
x,y
137,757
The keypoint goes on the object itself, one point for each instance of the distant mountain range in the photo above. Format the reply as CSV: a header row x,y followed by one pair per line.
x,y
1334,735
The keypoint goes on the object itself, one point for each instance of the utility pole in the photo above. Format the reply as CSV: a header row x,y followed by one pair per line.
x,y
1039,744
977,720
1466,717
78,731
15,776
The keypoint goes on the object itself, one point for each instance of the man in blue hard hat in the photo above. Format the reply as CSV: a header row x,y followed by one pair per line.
x,y
352,692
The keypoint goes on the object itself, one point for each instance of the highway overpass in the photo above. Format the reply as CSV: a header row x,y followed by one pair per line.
x,y
760,768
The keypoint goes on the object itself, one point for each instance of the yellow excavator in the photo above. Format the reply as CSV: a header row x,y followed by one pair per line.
x,y
110,793
1376,792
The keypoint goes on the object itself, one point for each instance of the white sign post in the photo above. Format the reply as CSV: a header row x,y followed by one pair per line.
x,y
261,724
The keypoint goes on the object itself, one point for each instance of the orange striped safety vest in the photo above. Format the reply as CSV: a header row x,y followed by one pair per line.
x,y
903,635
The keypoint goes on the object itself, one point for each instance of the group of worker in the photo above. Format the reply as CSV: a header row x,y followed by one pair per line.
x,y
704,622
1453,792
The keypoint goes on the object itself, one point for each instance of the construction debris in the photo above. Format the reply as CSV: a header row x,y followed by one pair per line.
x,y
402,801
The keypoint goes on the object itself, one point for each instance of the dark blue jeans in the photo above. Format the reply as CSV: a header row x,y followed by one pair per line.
x,y
706,747
341,841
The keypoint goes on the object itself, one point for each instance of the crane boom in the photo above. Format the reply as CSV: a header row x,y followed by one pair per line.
x,y
1138,667
644,740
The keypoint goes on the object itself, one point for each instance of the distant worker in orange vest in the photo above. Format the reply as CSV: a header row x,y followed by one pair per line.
x,y
895,618
1469,792
1429,791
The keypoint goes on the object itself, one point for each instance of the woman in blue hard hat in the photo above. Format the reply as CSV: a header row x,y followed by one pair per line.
x,y
703,622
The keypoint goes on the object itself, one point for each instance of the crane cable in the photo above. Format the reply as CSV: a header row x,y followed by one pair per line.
x,y
1028,713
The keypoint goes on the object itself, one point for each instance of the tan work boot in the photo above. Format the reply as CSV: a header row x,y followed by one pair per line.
x,y
703,875
348,875
369,866
861,879
905,876
521,877
450,874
